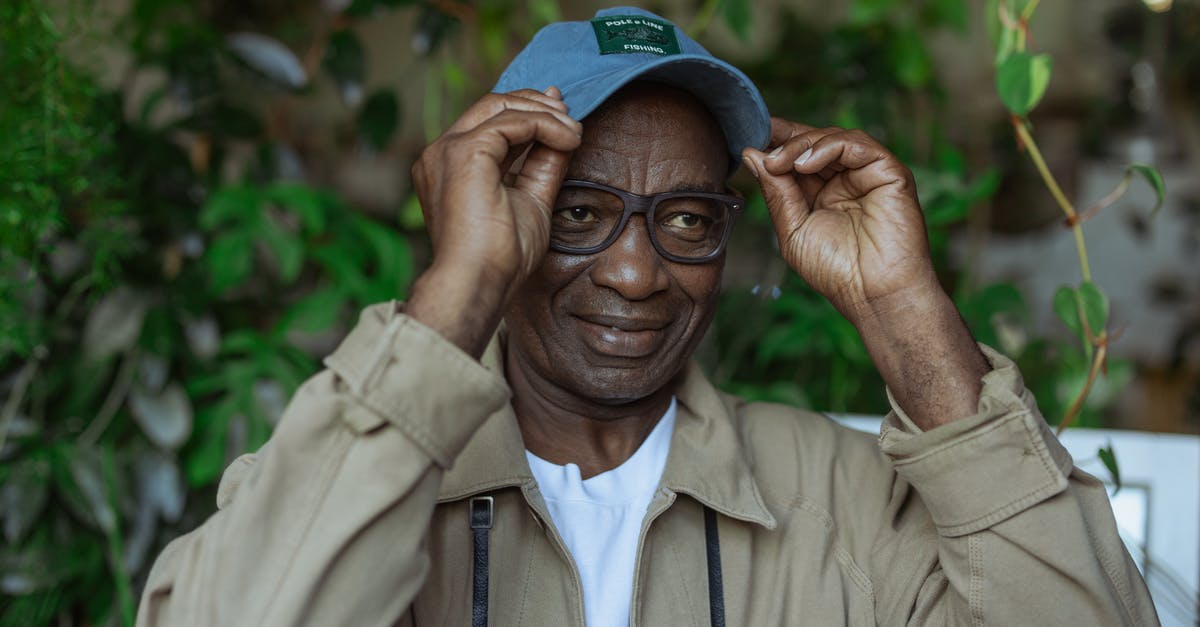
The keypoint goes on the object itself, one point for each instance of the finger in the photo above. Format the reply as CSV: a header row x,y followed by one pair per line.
x,y
786,201
811,186
844,150
551,97
542,174
492,105
512,161
783,130
863,162
496,137
781,159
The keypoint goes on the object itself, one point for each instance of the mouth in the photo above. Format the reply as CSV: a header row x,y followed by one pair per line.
x,y
616,336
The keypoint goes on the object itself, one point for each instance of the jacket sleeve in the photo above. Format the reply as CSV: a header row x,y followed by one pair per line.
x,y
1022,536
325,525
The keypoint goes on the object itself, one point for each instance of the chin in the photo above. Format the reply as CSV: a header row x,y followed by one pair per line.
x,y
614,386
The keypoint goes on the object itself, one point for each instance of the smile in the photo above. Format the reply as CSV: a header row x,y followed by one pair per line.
x,y
622,337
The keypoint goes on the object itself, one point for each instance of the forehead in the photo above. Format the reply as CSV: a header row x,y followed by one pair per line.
x,y
650,138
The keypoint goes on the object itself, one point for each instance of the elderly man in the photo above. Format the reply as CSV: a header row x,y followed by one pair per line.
x,y
574,467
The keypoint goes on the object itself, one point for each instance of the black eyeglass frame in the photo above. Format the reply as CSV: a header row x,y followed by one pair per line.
x,y
636,203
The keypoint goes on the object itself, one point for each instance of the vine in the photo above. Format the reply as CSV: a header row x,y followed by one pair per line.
x,y
1021,80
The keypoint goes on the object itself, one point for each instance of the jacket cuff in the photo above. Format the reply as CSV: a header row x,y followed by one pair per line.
x,y
411,377
982,469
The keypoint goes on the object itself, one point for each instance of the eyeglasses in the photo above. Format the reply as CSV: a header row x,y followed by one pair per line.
x,y
685,227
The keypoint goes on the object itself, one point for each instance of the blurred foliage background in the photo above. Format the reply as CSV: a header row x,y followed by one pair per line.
x,y
197,197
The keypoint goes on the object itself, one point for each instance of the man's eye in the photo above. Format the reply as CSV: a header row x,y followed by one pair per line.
x,y
684,221
578,214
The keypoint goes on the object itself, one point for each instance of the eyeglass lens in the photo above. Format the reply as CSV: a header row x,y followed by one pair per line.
x,y
684,226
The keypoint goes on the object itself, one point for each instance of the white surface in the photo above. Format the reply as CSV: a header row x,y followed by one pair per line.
x,y
600,519
1157,509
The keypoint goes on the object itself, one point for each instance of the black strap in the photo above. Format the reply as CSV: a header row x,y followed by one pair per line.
x,y
716,589
481,524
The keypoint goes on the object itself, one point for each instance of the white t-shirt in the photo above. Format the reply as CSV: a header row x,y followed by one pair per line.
x,y
600,519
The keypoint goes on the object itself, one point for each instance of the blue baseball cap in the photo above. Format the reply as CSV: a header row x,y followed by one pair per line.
x,y
589,61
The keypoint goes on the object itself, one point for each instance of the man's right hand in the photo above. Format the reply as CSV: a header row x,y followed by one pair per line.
x,y
489,222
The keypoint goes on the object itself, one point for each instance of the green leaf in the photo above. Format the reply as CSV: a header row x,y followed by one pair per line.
x,y
394,263
315,312
244,341
1067,309
411,217
379,118
910,59
230,204
1088,299
846,116
1109,458
341,269
23,494
992,310
1094,304
205,458
87,474
302,200
205,384
34,608
952,13
865,12
344,58
1155,179
1021,81
984,186
737,15
229,260
287,249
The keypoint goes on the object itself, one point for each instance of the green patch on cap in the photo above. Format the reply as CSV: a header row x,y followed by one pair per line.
x,y
635,34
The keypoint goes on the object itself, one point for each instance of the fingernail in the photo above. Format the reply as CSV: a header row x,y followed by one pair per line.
x,y
804,157
750,165
775,153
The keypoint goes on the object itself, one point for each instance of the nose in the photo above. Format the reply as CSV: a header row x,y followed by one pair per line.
x,y
631,266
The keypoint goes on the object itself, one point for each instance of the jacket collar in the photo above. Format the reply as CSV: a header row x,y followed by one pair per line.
x,y
706,462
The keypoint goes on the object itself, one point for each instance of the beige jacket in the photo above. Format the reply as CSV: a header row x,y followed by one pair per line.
x,y
355,513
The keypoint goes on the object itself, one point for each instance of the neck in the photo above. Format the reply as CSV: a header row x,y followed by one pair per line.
x,y
561,427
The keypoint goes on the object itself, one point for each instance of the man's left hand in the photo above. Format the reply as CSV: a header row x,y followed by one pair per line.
x,y
846,213
848,221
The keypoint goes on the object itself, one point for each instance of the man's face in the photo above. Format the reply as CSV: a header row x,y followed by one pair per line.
x,y
617,325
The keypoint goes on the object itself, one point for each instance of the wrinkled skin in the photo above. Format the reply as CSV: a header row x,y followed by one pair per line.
x,y
561,320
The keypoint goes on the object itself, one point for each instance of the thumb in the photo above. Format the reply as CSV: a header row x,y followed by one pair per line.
x,y
542,173
785,200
